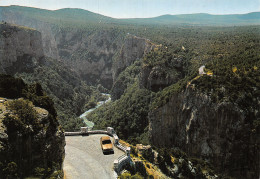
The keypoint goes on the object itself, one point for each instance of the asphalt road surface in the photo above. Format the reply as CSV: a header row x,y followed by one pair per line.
x,y
84,158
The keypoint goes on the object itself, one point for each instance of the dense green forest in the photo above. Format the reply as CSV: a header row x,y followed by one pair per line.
x,y
70,94
21,122
231,53
194,45
232,63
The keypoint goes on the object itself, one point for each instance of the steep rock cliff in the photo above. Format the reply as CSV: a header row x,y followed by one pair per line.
x,y
87,51
48,40
97,54
219,132
21,55
160,75
31,140
127,63
20,49
90,53
134,48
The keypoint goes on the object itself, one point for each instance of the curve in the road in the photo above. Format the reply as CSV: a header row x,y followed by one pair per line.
x,y
84,158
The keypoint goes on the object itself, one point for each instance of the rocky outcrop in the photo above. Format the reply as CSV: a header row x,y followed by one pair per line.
x,y
48,37
220,132
166,72
88,52
134,48
98,56
31,139
20,49
22,55
157,78
127,63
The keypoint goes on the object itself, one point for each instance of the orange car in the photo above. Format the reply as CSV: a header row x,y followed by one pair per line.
x,y
106,144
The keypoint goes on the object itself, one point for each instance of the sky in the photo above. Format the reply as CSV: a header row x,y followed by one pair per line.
x,y
145,8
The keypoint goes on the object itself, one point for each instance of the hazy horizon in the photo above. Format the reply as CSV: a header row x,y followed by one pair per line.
x,y
129,17
144,8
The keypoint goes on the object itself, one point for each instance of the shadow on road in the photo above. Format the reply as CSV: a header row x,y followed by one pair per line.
x,y
108,153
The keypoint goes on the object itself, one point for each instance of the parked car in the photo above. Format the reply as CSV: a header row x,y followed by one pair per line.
x,y
106,144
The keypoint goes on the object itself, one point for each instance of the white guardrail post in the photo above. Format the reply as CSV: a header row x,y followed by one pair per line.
x,y
116,165
116,139
128,150
110,130
84,130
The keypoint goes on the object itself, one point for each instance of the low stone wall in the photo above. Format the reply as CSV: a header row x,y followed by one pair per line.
x,y
124,159
72,133
121,162
86,131
98,132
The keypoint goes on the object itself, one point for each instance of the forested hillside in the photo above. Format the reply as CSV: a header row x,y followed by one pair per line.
x,y
23,57
80,17
151,69
32,140
226,52
169,75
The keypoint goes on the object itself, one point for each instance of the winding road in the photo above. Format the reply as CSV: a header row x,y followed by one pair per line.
x,y
84,158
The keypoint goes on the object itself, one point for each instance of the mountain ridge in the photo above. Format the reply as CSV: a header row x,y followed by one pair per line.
x,y
71,14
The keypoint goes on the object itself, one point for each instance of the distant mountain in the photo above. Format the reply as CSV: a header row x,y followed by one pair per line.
x,y
202,19
65,16
80,17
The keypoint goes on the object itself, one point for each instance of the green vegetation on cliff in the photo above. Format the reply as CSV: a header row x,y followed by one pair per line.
x,y
71,95
128,115
12,88
31,141
231,57
230,54
236,78
68,92
125,79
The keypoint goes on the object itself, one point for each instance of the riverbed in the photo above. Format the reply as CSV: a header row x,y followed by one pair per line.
x,y
83,116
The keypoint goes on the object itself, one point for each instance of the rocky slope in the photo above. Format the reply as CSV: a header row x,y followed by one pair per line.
x,y
134,48
17,17
161,68
87,51
219,132
128,61
20,50
31,140
22,55
97,54
90,53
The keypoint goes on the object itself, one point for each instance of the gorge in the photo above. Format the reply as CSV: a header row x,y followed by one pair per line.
x,y
158,96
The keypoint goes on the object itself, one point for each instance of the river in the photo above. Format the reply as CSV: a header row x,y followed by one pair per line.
x,y
91,124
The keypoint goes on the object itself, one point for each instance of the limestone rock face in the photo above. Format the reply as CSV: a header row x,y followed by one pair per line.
x,y
217,132
134,48
87,51
22,55
20,49
97,56
31,147
162,75
46,29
